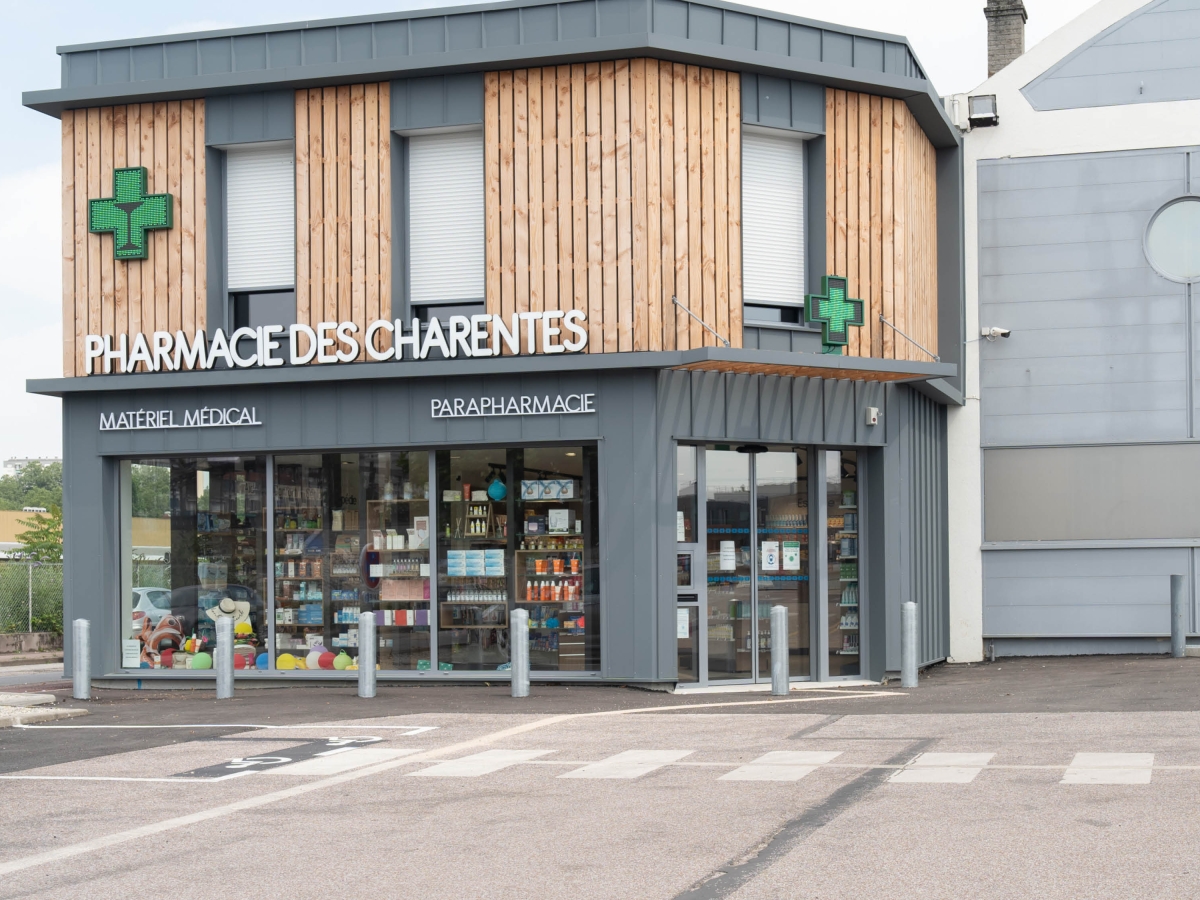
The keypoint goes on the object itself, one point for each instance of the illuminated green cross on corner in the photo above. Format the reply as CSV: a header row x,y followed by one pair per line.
x,y
835,311
129,213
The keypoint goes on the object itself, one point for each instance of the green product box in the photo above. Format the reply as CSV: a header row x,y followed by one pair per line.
x,y
445,667
422,665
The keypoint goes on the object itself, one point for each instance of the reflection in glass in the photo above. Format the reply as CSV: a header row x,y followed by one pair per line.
x,y
782,501
730,635
841,497
685,512
197,547
687,635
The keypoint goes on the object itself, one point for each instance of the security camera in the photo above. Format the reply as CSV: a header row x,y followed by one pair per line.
x,y
994,332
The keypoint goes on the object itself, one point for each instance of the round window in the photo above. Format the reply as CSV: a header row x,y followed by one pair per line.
x,y
1173,239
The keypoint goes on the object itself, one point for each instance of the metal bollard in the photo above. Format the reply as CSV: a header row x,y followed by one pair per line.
x,y
908,644
81,656
368,649
1178,616
223,658
779,652
519,642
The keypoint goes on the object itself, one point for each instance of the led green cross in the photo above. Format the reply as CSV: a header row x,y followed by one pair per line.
x,y
834,311
129,213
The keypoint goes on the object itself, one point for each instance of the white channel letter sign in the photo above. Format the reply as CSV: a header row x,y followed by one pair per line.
x,y
338,342
158,419
525,405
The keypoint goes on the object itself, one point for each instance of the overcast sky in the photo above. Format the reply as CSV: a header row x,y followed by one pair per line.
x,y
949,37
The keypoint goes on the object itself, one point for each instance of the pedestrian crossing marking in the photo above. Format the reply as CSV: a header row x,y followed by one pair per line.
x,y
1109,768
477,764
340,760
782,765
630,764
943,768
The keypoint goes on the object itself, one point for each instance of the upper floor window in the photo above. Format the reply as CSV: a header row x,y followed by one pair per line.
x,y
260,216
445,218
772,218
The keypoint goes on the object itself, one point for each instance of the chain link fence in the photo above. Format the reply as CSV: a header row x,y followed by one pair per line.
x,y
31,596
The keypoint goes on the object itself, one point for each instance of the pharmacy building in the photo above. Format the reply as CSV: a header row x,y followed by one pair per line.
x,y
643,316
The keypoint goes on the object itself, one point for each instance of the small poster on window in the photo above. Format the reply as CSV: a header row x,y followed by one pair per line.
x,y
770,556
791,556
131,654
682,624
728,556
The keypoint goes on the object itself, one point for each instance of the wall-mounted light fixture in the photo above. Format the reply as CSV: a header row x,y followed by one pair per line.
x,y
982,112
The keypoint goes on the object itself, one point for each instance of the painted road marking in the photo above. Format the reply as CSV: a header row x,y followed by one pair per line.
x,y
247,765
943,768
1109,768
782,765
484,763
630,764
409,730
341,760
162,826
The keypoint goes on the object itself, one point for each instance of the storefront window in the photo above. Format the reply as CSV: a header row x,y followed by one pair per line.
x,y
196,550
781,495
841,498
686,479
351,536
730,613
518,527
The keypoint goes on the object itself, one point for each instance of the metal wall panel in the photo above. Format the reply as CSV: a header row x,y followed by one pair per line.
x,y
1079,593
1126,492
1147,57
839,411
741,407
774,409
438,101
1098,350
783,103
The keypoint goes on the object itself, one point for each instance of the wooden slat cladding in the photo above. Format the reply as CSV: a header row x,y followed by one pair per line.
x,y
881,221
611,187
167,290
344,205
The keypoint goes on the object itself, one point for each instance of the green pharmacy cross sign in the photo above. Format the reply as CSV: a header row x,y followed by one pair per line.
x,y
129,213
834,311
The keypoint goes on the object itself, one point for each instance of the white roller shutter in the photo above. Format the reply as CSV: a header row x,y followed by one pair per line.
x,y
772,219
445,217
260,217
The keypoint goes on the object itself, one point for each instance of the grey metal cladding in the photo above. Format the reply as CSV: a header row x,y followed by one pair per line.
x,y
1050,493
1099,339
1150,56
783,103
475,37
437,101
839,411
1079,593
249,118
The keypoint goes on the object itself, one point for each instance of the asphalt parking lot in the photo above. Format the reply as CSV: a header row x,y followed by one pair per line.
x,y
1055,778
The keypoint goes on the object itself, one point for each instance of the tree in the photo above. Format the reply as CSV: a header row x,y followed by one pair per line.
x,y
151,490
43,541
36,485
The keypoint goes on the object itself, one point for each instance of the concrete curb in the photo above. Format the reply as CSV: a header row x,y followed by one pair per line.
x,y
13,715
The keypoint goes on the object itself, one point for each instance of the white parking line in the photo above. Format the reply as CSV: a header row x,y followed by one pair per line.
x,y
943,768
1109,768
477,764
630,764
341,760
782,765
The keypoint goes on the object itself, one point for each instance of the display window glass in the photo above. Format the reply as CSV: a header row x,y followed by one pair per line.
x,y
730,602
687,477
352,535
195,539
841,530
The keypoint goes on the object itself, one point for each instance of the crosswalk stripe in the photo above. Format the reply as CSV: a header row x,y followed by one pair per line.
x,y
630,764
782,765
1109,768
943,768
477,764
344,761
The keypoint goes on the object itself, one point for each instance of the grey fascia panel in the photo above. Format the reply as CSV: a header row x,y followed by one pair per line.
x,y
437,101
249,118
837,366
332,51
783,103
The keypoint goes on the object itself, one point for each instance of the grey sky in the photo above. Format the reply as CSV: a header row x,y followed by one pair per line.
x,y
949,37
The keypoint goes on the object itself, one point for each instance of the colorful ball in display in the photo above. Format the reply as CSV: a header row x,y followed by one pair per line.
x,y
167,659
239,661
343,661
202,661
325,661
313,660
243,628
284,661
262,661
